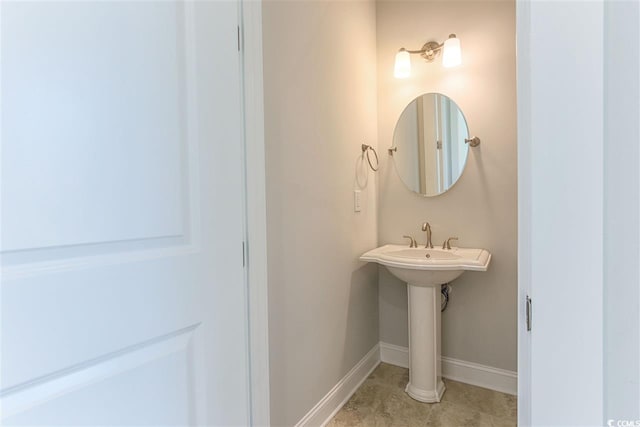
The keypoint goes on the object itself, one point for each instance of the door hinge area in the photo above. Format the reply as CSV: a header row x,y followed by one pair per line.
x,y
244,258
528,310
238,27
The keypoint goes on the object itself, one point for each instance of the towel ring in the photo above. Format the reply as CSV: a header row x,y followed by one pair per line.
x,y
366,148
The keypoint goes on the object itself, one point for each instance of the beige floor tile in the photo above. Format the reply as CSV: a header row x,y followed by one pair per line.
x,y
367,398
382,402
348,418
488,401
390,375
447,414
504,422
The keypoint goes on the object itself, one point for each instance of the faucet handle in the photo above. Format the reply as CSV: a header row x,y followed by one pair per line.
x,y
447,244
412,243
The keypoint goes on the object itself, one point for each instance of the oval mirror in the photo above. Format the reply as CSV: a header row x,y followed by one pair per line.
x,y
429,148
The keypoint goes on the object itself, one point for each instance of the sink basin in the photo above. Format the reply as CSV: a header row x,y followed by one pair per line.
x,y
428,267
424,270
424,254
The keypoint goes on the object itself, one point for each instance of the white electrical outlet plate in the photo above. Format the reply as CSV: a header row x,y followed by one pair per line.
x,y
356,201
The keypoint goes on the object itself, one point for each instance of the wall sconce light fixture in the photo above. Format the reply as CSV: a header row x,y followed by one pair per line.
x,y
451,56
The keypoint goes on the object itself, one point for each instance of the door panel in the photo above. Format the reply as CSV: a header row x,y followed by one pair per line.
x,y
123,295
113,388
77,76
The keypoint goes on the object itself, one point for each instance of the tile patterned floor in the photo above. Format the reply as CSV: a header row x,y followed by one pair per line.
x,y
381,401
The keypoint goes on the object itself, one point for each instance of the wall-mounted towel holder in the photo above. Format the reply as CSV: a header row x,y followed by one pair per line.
x,y
366,149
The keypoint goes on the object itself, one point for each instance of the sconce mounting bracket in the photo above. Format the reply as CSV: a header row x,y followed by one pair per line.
x,y
430,51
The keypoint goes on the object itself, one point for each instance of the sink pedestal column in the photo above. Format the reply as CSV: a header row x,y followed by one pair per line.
x,y
425,379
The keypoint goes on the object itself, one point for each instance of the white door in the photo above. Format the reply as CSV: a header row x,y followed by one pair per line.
x,y
123,296
560,192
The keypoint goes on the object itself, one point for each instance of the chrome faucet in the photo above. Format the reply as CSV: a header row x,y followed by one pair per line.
x,y
426,227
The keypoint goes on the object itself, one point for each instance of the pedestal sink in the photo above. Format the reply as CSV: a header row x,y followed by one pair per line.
x,y
424,270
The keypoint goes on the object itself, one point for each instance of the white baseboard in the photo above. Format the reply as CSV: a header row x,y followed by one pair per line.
x,y
458,370
394,354
483,376
331,403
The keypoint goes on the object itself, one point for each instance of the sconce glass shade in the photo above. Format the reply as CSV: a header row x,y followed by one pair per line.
x,y
451,55
402,69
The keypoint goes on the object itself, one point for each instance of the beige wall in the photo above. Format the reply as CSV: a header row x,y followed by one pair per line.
x,y
320,105
480,323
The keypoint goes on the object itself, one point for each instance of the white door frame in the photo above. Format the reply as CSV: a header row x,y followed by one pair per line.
x,y
256,245
560,57
524,214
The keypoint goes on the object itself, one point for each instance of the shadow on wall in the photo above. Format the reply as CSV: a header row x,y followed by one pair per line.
x,y
475,156
394,302
362,323
361,179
